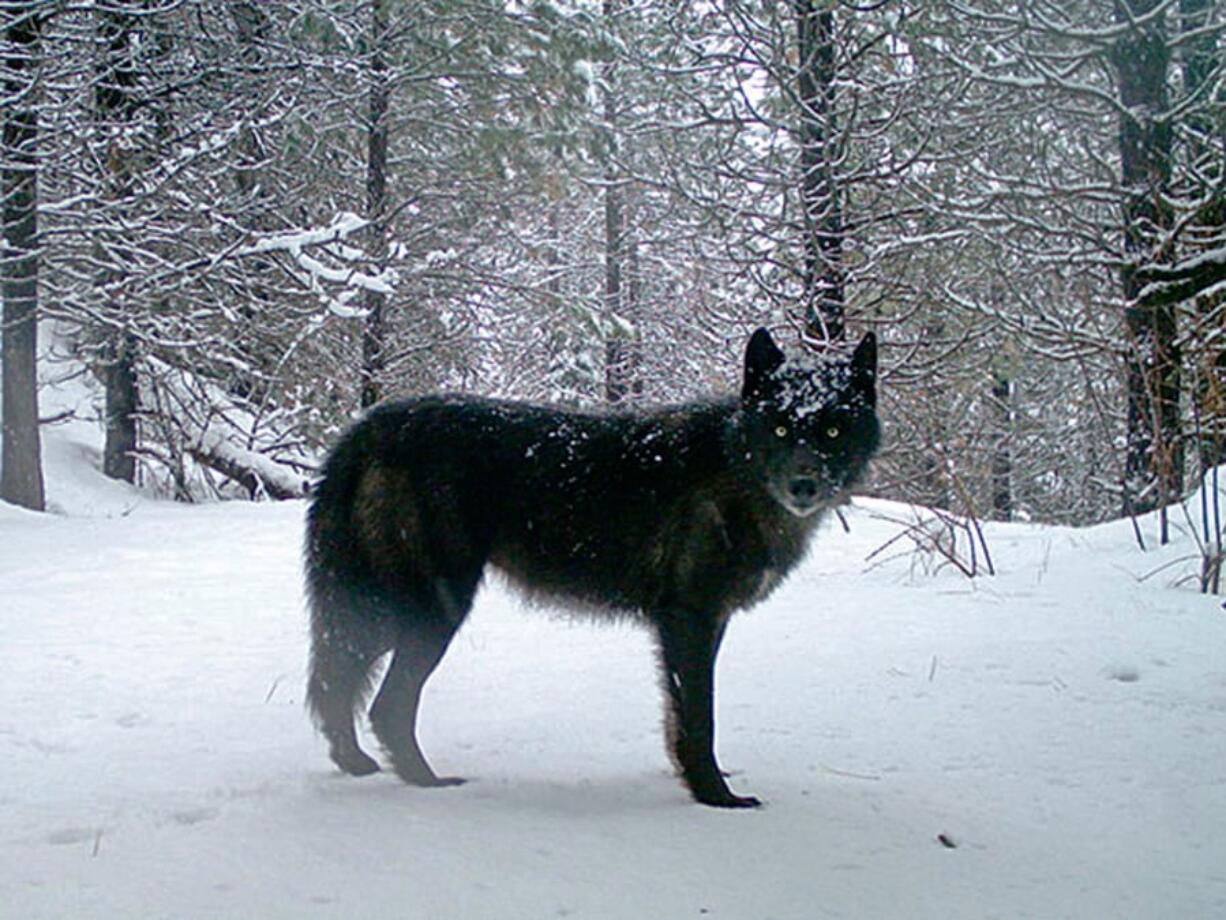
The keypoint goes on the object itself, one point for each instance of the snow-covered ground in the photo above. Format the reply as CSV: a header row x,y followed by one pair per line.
x,y
1061,727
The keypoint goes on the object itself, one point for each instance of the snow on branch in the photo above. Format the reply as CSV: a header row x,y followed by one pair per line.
x,y
328,241
342,226
1194,277
196,419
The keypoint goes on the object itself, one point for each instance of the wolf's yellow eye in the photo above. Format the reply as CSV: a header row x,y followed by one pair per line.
x,y
781,431
832,432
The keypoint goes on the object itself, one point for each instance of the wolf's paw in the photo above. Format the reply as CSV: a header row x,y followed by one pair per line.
x,y
733,801
440,781
355,763
724,798
421,775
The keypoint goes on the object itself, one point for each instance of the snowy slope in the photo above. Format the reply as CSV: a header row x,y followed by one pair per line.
x,y
1062,724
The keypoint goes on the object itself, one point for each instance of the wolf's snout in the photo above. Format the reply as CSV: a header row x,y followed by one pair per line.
x,y
803,489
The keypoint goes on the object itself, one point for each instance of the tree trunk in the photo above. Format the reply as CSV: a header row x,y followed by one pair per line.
x,y
634,306
619,351
253,27
1154,456
1199,59
120,389
21,476
1002,456
936,485
374,330
824,278
116,107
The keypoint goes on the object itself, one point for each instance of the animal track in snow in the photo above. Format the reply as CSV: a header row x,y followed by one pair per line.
x,y
1124,673
189,816
66,836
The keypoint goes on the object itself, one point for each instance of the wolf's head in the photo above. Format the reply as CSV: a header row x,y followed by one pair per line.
x,y
808,427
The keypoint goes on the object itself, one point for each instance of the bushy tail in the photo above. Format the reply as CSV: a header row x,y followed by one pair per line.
x,y
347,635
331,538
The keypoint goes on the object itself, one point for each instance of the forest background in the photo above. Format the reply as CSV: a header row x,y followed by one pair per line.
x,y
246,221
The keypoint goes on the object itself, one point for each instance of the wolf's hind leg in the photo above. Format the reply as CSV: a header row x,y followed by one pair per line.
x,y
393,716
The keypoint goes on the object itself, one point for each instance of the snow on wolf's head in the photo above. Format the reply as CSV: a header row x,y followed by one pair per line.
x,y
808,426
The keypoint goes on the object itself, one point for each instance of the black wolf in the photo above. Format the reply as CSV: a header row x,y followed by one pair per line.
x,y
677,516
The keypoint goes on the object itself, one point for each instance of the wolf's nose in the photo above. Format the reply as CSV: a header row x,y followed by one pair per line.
x,y
803,488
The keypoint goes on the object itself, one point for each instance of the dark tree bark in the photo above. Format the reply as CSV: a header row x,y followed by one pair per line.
x,y
117,106
621,352
620,357
21,477
374,330
1002,455
615,345
1154,457
634,294
253,27
122,408
824,277
1200,60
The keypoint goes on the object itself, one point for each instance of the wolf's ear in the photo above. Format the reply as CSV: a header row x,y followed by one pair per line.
x,y
864,368
762,358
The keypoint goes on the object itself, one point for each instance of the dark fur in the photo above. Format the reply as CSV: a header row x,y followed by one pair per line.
x,y
678,516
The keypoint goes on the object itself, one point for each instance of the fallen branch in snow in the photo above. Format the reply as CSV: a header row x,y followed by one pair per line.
x,y
199,421
59,418
256,473
1146,576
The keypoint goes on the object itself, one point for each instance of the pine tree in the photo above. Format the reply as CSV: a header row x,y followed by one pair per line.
x,y
21,478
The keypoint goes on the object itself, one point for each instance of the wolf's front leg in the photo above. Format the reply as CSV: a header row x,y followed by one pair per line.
x,y
688,646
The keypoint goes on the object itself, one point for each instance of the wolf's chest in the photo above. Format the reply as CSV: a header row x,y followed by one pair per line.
x,y
768,581
760,555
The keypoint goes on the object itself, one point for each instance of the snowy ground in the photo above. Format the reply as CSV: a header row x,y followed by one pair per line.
x,y
1062,724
